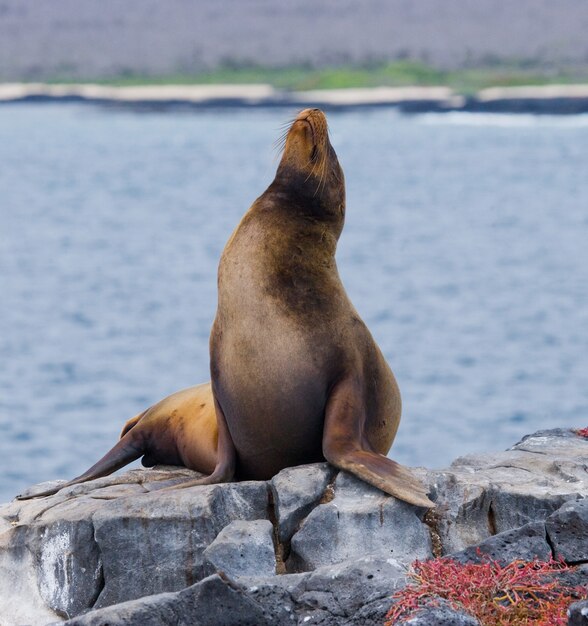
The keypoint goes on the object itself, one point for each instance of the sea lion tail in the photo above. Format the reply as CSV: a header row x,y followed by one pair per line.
x,y
129,448
131,424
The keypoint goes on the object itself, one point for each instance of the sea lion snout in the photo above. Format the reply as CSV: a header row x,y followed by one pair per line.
x,y
307,149
305,114
317,121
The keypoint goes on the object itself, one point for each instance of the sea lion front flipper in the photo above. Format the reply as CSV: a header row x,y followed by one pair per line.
x,y
345,447
224,470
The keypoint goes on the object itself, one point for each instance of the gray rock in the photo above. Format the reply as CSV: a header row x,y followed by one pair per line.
x,y
108,541
527,542
547,441
360,520
482,495
277,595
120,538
58,547
568,531
574,577
353,592
21,601
463,511
441,616
578,613
212,602
330,596
48,484
155,478
243,549
296,491
155,542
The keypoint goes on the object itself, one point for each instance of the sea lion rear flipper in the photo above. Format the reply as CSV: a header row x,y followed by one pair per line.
x,y
128,449
345,447
224,470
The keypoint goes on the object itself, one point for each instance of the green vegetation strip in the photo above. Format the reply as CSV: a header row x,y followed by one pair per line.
x,y
396,74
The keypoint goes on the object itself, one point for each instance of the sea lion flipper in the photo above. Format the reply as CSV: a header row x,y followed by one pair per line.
x,y
345,447
386,474
127,449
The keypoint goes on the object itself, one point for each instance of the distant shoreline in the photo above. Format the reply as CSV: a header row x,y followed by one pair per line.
x,y
545,99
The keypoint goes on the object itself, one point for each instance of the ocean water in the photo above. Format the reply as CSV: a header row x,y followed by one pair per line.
x,y
465,250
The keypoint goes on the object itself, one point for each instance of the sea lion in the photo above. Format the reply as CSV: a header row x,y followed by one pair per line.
x,y
179,430
296,374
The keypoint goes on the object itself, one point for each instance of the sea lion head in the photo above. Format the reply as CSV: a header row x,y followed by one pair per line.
x,y
309,169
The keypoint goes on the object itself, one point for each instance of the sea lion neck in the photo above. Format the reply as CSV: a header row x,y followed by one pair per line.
x,y
326,204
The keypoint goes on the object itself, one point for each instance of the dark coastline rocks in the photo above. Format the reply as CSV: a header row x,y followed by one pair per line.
x,y
311,546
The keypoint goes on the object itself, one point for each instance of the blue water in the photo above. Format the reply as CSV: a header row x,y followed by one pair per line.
x,y
465,251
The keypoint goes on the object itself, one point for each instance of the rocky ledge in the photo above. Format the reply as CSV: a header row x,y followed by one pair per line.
x,y
311,546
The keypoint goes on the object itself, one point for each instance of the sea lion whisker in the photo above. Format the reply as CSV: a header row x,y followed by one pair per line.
x,y
284,128
313,169
323,178
280,142
286,124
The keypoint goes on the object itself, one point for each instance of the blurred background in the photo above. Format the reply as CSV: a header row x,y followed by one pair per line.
x,y
465,248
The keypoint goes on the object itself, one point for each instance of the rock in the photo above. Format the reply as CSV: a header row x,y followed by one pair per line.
x,y
156,478
243,549
568,531
48,484
441,616
574,577
155,542
64,560
121,541
21,601
354,592
578,614
482,495
212,602
107,541
296,491
527,542
360,520
330,596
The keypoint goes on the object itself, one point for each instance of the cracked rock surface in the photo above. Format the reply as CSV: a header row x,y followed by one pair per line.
x,y
311,546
